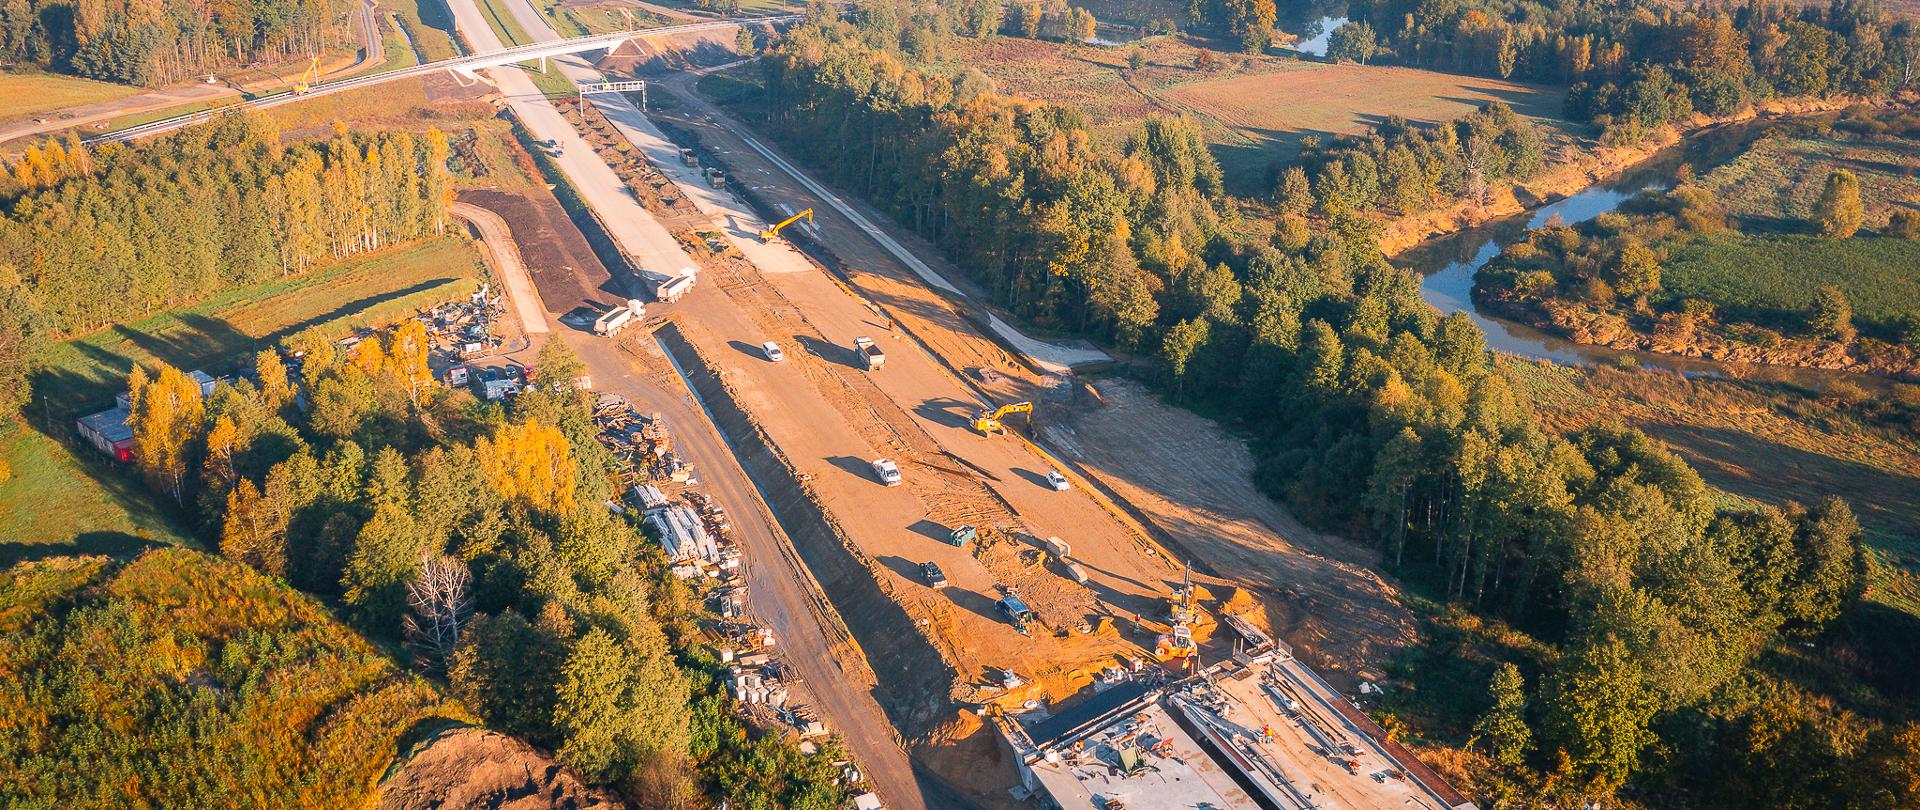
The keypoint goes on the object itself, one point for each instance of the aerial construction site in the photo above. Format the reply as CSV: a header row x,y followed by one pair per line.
x,y
970,572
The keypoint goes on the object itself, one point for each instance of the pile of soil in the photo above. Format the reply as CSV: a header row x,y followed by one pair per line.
x,y
476,768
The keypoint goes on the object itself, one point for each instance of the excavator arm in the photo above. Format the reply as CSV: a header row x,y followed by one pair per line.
x,y
309,78
989,421
773,233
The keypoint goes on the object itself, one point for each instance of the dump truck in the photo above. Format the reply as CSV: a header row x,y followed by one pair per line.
x,y
671,289
688,158
613,320
871,357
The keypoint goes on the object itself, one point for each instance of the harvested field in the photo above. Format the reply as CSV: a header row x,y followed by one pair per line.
x,y
1265,115
1253,110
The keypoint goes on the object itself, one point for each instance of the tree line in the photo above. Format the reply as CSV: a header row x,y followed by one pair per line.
x,y
1636,68
478,538
1398,168
1372,414
92,238
165,42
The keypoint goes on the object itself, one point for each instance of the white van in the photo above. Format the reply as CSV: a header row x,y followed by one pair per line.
x,y
888,472
772,351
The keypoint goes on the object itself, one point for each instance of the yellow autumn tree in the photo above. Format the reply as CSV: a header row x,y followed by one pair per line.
x,y
168,415
529,462
254,532
222,442
275,386
407,348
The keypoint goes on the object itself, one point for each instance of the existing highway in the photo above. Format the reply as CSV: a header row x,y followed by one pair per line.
x,y
480,59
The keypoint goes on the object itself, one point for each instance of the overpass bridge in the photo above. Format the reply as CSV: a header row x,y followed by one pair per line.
x,y
465,66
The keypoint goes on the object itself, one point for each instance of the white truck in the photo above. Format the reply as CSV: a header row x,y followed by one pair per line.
x,y
670,289
871,357
613,320
887,471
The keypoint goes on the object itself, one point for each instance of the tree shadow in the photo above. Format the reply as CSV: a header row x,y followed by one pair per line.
x,y
109,543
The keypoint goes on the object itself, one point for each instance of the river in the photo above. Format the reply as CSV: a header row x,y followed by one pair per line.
x,y
1448,264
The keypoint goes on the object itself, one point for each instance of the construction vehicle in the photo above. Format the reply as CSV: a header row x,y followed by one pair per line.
x,y
773,233
669,290
613,320
715,177
1176,645
309,78
961,536
988,422
1017,611
870,355
688,158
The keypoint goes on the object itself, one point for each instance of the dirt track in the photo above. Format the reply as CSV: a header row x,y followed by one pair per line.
x,y
475,768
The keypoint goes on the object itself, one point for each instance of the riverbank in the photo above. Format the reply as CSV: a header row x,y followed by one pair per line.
x,y
1591,166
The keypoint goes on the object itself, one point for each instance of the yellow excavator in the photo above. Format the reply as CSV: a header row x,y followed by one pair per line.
x,y
988,422
310,78
774,232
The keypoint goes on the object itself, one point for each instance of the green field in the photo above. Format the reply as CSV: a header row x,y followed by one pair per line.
x,y
61,493
1771,279
26,94
428,23
83,374
1777,180
59,501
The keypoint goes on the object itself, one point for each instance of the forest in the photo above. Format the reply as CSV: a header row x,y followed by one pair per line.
x,y
89,238
166,42
1647,598
477,539
1633,68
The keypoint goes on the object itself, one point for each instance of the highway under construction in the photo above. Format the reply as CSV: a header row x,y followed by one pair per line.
x,y
934,553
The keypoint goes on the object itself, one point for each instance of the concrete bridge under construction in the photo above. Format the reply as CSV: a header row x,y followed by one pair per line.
x,y
464,67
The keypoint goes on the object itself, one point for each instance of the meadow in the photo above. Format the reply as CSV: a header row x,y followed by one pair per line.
x,y
1775,183
24,94
179,676
1771,278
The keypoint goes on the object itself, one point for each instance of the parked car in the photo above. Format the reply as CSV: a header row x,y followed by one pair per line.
x,y
1057,481
888,472
934,576
772,350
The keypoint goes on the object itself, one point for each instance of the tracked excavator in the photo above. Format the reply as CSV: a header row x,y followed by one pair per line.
x,y
773,233
309,78
988,422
